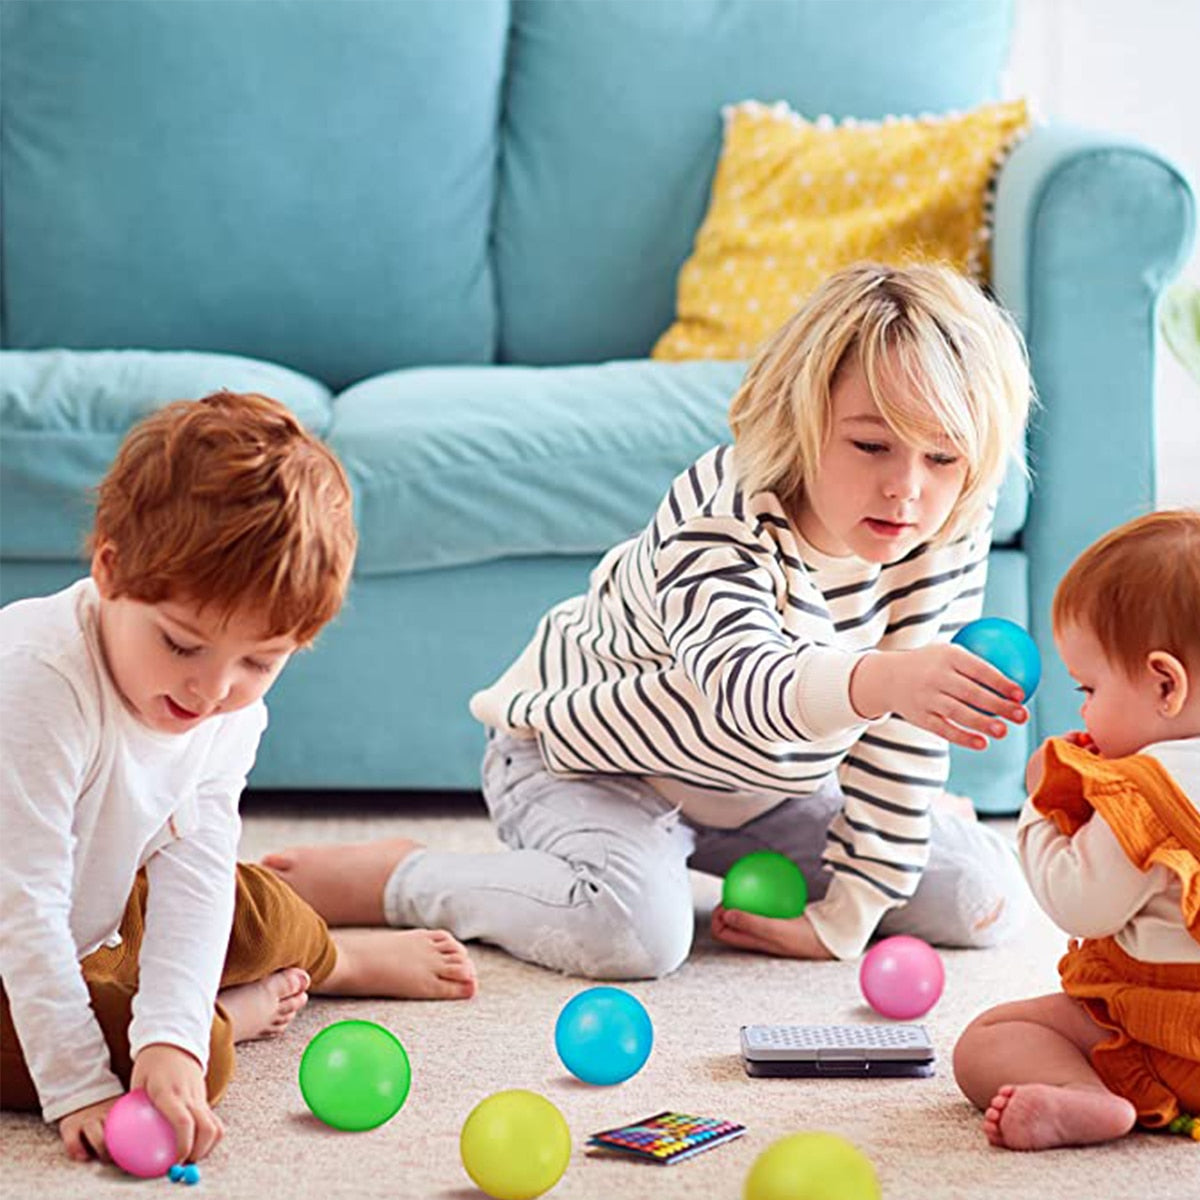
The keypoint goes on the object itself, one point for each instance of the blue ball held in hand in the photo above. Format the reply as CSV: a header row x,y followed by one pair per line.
x,y
603,1035
1007,647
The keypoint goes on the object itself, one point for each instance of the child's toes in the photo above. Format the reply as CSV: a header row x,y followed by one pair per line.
x,y
291,1005
297,980
460,989
460,972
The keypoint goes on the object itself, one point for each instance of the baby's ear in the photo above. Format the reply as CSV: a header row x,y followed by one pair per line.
x,y
1170,681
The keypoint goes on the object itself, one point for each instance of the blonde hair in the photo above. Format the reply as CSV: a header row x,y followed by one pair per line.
x,y
1137,589
921,330
229,501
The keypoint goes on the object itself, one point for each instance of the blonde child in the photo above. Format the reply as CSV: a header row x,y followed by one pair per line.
x,y
1110,842
767,666
130,714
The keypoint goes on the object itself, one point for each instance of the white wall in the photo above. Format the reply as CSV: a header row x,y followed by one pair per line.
x,y
1130,66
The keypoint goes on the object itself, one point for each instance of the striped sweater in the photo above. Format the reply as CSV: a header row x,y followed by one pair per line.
x,y
712,655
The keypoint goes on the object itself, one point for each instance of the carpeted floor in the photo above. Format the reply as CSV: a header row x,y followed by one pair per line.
x,y
921,1134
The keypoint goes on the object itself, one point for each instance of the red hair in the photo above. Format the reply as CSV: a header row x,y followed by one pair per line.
x,y
229,501
1138,589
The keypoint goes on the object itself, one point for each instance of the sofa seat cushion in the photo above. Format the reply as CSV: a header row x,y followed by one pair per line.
x,y
453,466
63,414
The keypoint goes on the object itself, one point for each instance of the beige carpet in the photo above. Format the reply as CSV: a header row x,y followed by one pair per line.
x,y
922,1136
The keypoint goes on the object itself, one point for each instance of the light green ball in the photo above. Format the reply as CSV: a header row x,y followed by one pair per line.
x,y
765,883
355,1075
812,1166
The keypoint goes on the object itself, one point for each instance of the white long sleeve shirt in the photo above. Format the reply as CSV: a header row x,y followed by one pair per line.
x,y
712,654
88,795
1088,886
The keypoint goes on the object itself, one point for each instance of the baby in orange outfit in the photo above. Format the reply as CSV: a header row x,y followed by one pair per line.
x,y
1110,844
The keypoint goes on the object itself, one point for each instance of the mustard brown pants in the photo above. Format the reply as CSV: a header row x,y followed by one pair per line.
x,y
272,929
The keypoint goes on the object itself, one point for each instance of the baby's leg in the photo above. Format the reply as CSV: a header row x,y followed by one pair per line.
x,y
1027,1066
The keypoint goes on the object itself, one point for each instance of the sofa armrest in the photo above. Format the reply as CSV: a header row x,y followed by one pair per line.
x,y
1088,231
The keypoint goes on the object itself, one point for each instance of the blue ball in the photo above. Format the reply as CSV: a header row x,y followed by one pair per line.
x,y
603,1035
1007,647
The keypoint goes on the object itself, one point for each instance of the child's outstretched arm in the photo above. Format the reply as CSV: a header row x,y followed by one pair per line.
x,y
941,688
878,844
189,915
44,744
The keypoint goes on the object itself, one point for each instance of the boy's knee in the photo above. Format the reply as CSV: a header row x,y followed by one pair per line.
x,y
640,941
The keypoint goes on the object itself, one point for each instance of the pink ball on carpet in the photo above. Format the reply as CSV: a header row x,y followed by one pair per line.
x,y
902,977
139,1138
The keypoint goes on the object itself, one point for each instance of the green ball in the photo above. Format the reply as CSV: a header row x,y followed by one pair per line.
x,y
812,1166
355,1075
765,883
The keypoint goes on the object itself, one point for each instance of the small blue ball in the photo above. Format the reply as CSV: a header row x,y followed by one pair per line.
x,y
603,1035
175,1174
1007,647
191,1174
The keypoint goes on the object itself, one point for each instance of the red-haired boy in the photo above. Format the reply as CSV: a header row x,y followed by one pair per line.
x,y
135,950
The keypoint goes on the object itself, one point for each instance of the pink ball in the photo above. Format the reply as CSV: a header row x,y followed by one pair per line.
x,y
902,977
139,1138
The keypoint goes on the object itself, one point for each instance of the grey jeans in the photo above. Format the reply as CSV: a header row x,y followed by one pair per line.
x,y
595,880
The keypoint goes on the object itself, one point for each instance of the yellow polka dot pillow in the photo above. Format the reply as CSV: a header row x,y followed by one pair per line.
x,y
794,200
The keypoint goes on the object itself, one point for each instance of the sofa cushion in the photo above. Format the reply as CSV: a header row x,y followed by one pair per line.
x,y
612,129
307,181
453,466
63,414
794,200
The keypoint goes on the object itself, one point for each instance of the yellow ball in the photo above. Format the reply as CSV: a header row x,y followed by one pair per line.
x,y
515,1145
812,1166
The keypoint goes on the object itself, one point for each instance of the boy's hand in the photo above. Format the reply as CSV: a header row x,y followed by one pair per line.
x,y
82,1131
940,688
175,1084
793,937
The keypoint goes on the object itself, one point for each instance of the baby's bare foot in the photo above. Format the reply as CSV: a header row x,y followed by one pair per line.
x,y
410,964
1036,1116
266,1008
343,882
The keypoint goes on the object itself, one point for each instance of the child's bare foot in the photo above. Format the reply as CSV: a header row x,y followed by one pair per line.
x,y
1036,1116
410,964
265,1008
343,882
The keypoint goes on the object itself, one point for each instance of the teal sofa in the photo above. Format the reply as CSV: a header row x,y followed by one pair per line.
x,y
447,233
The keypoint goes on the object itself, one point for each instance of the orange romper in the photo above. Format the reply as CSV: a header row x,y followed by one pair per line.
x,y
1152,1008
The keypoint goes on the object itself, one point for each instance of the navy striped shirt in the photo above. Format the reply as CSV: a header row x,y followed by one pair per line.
x,y
712,654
